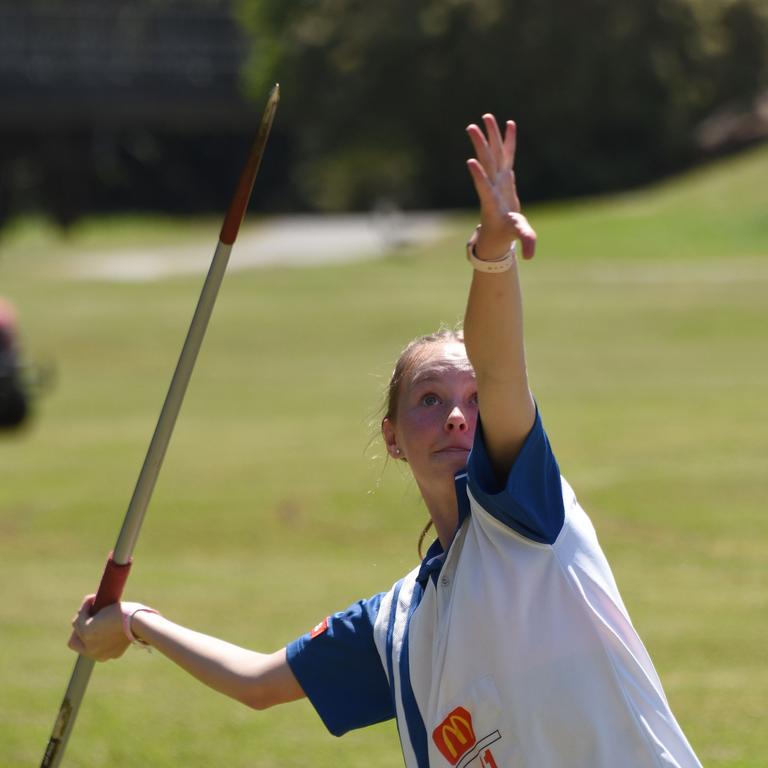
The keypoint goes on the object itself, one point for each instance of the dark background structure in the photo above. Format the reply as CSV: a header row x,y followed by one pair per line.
x,y
120,106
150,104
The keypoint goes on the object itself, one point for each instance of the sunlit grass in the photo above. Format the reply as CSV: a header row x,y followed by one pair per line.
x,y
647,337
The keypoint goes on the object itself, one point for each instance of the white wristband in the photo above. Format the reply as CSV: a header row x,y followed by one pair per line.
x,y
128,611
501,264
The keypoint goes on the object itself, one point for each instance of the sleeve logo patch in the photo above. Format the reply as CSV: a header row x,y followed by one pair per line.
x,y
318,629
455,736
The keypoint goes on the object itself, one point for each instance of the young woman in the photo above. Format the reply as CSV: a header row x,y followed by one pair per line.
x,y
509,645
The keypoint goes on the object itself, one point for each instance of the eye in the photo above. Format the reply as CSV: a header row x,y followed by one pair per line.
x,y
430,399
473,398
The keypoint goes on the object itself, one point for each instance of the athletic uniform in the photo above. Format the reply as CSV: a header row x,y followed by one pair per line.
x,y
513,648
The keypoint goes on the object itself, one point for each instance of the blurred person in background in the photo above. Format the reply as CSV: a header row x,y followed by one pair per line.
x,y
14,395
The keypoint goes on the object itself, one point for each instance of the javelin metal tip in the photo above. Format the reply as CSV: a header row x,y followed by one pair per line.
x,y
242,195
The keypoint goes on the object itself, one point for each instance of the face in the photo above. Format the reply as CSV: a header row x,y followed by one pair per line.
x,y
436,415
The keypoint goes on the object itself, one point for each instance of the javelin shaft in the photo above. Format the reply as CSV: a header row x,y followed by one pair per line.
x,y
119,562
134,517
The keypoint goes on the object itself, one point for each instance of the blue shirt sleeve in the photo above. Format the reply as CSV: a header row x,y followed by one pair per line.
x,y
340,670
531,500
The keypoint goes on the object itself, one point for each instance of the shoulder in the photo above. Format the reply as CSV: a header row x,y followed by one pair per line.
x,y
530,500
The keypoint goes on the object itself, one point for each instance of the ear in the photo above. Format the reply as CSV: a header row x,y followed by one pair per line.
x,y
390,438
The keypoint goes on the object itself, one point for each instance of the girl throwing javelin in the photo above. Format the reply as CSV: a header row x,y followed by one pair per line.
x,y
509,645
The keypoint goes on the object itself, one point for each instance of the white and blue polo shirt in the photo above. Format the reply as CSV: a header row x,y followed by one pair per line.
x,y
513,648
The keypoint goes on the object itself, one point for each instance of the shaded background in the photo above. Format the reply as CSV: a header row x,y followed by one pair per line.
x,y
144,105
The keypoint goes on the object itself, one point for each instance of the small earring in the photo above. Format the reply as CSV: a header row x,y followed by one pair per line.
x,y
397,451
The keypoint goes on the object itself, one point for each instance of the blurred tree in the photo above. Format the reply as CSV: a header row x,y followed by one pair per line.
x,y
139,105
742,67
607,92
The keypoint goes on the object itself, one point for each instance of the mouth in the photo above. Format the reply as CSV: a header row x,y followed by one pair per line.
x,y
454,450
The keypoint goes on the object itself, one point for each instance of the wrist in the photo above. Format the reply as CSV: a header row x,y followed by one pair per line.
x,y
488,248
490,254
127,612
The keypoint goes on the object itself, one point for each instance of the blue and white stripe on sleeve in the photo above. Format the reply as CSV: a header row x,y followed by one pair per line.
x,y
339,669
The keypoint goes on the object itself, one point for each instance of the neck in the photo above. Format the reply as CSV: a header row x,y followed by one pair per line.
x,y
444,511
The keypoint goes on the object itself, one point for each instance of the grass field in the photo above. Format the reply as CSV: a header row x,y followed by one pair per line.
x,y
647,335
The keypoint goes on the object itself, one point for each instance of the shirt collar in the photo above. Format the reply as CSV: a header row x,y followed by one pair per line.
x,y
435,557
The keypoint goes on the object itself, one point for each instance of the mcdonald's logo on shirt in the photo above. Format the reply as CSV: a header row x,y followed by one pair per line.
x,y
455,736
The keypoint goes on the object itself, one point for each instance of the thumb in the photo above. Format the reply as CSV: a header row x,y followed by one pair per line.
x,y
87,605
525,234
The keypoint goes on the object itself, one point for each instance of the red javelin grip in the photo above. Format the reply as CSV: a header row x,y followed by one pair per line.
x,y
112,584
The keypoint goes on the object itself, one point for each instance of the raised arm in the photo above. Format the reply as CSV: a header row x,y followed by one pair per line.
x,y
256,679
493,323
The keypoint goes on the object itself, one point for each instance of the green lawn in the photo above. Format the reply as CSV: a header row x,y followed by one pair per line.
x,y
647,336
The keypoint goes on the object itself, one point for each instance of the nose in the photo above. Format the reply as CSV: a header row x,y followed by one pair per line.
x,y
456,421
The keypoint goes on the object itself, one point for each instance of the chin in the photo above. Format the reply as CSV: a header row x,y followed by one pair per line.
x,y
455,461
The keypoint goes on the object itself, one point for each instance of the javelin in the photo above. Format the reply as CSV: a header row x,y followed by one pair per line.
x,y
119,561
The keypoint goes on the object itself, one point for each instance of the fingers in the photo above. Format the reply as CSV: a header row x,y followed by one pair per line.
x,y
495,142
79,625
483,150
508,190
494,179
483,186
83,614
75,643
492,204
86,606
95,636
496,156
510,143
494,153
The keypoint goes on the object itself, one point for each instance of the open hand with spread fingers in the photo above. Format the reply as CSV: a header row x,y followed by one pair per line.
x,y
493,175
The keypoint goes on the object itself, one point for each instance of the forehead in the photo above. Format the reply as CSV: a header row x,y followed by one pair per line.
x,y
438,360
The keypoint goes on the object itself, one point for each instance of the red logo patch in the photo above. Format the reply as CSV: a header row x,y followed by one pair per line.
x,y
319,629
455,736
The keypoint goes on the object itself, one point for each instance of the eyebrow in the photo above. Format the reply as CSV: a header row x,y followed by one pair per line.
x,y
425,377
435,373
